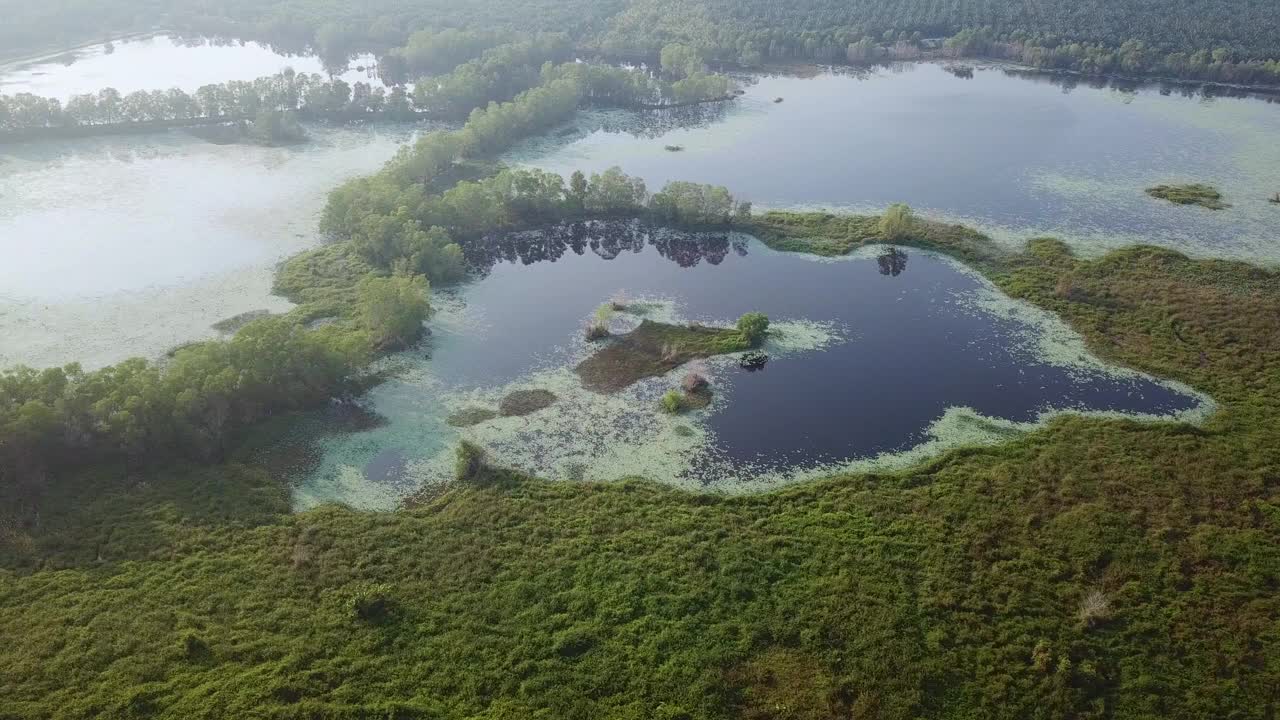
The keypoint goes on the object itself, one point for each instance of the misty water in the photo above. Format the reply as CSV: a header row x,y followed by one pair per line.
x,y
870,355
158,63
124,246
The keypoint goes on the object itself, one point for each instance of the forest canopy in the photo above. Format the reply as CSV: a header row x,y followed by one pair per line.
x,y
432,35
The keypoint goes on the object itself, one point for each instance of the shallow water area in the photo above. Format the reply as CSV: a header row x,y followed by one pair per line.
x,y
161,62
1016,155
873,358
123,246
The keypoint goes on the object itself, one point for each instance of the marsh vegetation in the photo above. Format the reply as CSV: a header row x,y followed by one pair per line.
x,y
977,475
655,348
1206,196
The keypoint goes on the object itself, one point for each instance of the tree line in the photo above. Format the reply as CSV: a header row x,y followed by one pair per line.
x,y
191,404
396,236
306,94
750,31
498,75
1225,40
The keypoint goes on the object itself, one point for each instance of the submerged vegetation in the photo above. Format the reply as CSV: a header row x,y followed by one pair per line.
x,y
1206,196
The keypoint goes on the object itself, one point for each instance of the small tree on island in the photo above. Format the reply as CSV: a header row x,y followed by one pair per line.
x,y
753,327
897,222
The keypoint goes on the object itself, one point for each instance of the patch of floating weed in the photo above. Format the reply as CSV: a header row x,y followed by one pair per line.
x,y
594,437
525,402
1206,196
471,416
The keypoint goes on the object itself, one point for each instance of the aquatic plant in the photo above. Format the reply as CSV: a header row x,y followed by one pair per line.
x,y
672,402
525,402
471,416
598,327
1205,196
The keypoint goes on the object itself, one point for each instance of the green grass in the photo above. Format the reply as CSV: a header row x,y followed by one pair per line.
x,y
1205,196
834,235
323,281
654,349
954,589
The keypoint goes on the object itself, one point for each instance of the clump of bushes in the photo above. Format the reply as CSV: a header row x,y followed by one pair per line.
x,y
694,392
753,326
365,602
469,463
598,328
672,402
694,382
1206,196
1094,609
897,222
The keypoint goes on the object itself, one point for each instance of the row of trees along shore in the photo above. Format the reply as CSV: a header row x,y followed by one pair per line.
x,y
1196,39
498,74
392,235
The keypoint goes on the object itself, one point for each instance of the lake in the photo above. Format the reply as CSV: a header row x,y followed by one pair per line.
x,y
158,63
122,246
1016,156
875,361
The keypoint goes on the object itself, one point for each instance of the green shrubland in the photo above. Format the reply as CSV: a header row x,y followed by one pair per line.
x,y
1093,568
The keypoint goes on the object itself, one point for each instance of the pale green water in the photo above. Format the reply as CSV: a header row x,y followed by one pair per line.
x,y
158,63
124,246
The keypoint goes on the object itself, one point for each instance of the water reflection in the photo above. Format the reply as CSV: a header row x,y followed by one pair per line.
x,y
897,357
892,262
1005,151
606,239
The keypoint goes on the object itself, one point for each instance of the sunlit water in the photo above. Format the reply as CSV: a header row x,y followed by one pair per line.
x,y
1018,157
867,365
160,63
125,246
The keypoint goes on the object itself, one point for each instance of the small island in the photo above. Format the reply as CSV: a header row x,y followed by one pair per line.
x,y
1205,196
655,348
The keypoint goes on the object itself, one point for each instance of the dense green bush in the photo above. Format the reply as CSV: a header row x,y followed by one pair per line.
x,y
753,326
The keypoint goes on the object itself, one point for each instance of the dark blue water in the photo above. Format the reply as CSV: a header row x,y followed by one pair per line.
x,y
1015,155
915,346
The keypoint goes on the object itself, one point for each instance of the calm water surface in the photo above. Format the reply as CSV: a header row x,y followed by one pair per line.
x,y
160,63
1019,157
912,345
122,246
